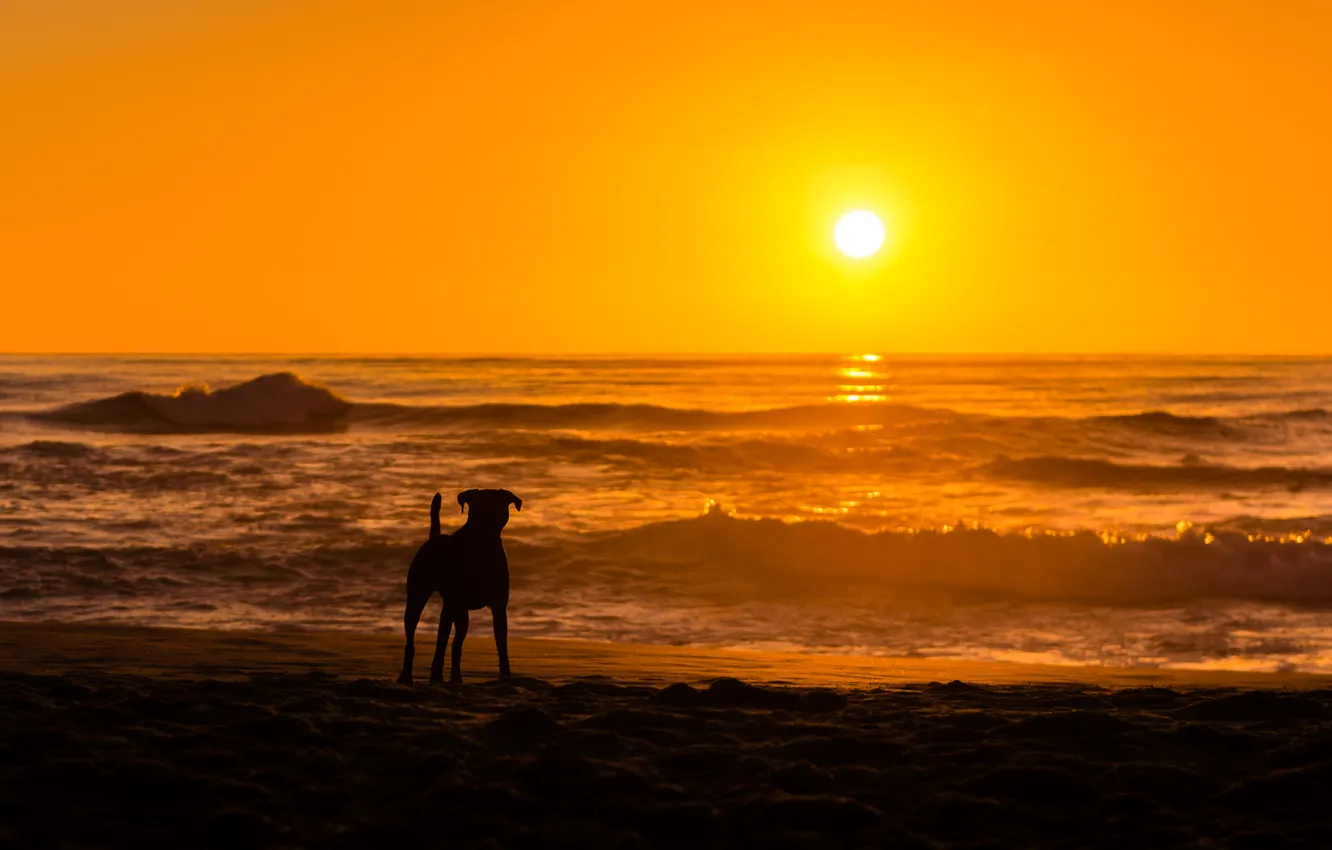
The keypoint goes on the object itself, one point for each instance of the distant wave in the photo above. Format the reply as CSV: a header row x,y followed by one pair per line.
x,y
1161,421
284,403
775,453
277,403
1314,413
51,462
735,455
1080,472
642,416
829,415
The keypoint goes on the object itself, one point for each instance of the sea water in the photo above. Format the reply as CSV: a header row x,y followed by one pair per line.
x,y
1117,510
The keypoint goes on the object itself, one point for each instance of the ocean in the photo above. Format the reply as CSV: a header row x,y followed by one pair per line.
x,y
1142,511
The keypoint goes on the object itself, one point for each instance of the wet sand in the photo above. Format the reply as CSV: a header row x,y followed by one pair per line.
x,y
151,737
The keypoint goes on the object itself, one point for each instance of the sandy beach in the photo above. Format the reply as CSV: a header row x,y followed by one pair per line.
x,y
175,737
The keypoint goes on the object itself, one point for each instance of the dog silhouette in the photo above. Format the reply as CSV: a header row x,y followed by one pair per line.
x,y
470,571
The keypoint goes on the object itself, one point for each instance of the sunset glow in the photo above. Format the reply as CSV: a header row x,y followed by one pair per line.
x,y
228,175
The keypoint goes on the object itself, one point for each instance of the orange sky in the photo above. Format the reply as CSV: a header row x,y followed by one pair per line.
x,y
385,175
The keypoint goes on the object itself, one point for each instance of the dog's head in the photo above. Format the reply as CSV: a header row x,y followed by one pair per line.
x,y
488,508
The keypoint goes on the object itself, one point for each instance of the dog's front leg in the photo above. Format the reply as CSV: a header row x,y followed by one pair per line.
x,y
460,624
501,616
441,641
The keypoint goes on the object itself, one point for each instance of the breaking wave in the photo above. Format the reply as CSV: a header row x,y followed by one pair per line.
x,y
277,403
768,558
711,560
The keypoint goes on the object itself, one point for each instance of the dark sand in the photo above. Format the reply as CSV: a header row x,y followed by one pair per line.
x,y
119,737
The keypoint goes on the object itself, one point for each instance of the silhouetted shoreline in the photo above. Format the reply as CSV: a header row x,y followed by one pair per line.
x,y
58,648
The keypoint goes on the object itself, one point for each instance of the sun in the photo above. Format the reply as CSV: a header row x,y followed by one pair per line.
x,y
858,234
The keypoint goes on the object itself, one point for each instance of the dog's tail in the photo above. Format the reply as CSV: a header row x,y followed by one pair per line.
x,y
434,515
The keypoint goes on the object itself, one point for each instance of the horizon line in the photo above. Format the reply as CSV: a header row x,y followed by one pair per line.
x,y
641,354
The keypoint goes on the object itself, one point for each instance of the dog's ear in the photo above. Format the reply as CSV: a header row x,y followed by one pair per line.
x,y
463,498
514,500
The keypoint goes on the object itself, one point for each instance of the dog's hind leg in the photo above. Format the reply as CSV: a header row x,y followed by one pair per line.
x,y
501,618
460,624
416,602
441,641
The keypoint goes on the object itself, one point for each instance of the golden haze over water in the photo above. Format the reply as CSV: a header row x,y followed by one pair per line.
x,y
589,176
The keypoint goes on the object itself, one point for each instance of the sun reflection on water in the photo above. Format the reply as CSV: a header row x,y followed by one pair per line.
x,y
857,390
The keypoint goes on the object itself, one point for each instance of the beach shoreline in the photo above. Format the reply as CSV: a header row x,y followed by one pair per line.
x,y
58,648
